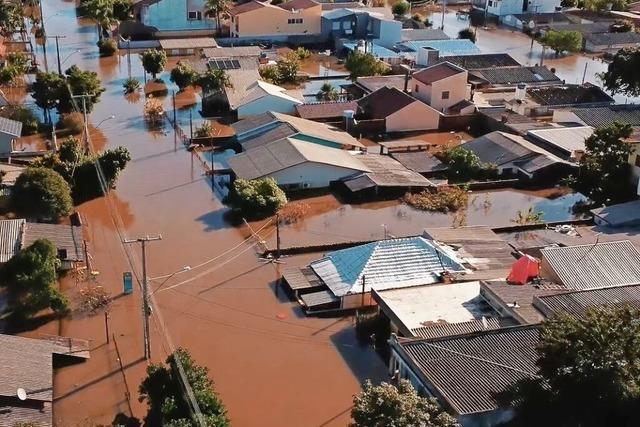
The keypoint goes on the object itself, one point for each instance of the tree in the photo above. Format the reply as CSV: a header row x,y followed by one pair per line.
x,y
362,64
256,197
217,7
463,165
328,92
214,80
163,390
604,5
122,10
401,406
589,372
622,72
46,91
80,82
100,11
30,277
11,18
604,171
153,61
42,193
562,41
401,8
467,33
288,67
183,75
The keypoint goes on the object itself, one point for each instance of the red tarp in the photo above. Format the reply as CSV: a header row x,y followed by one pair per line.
x,y
523,270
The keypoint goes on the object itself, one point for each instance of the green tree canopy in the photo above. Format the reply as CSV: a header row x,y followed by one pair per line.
x,y
217,7
81,82
102,12
622,74
153,61
464,165
604,171
387,405
256,197
183,75
46,91
589,372
603,5
362,64
401,8
214,80
42,193
31,279
163,391
328,92
562,41
11,18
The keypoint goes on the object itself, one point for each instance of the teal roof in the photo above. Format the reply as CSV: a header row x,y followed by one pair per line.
x,y
446,47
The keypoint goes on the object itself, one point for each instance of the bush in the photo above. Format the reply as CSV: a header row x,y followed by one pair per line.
x,y
131,85
107,47
73,122
362,64
8,74
302,53
467,34
204,131
183,75
446,199
256,198
42,193
270,73
401,8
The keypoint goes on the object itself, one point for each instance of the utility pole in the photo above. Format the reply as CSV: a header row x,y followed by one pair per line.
x,y
584,74
146,307
277,236
444,8
57,50
84,115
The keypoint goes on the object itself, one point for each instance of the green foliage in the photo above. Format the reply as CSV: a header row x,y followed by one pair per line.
x,y
73,122
444,199
397,406
183,75
122,10
204,131
23,115
153,61
47,89
328,92
270,73
42,193
213,80
302,53
285,70
256,197
218,7
603,5
362,64
464,165
8,74
467,33
604,171
10,17
562,41
163,391
131,85
528,217
401,8
107,47
30,277
20,61
101,12
79,169
589,372
622,72
80,82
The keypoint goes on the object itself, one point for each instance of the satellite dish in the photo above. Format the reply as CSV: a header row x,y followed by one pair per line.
x,y
22,394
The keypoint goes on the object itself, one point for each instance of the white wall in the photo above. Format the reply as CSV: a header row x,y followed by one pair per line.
x,y
314,175
415,116
267,103
457,87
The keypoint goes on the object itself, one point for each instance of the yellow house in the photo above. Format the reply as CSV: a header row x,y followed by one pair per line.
x,y
262,19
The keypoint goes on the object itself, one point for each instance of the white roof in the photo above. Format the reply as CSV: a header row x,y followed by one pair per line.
x,y
569,139
268,159
386,264
10,238
318,130
261,89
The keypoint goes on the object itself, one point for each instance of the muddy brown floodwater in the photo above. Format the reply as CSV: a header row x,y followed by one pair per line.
x,y
272,366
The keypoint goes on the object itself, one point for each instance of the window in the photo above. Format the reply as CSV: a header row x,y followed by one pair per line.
x,y
335,25
294,21
638,160
417,89
490,3
194,15
445,94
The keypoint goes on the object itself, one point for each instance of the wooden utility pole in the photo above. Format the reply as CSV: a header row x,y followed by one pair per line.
x,y
146,307
57,50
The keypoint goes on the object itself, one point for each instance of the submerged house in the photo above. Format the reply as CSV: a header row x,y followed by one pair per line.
x,y
175,18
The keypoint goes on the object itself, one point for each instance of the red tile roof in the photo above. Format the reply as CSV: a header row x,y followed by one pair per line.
x,y
436,72
325,110
246,7
298,4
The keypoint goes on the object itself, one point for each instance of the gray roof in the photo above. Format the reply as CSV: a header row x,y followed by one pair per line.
x,y
482,60
605,116
419,161
608,39
11,127
577,302
66,238
281,130
467,371
569,95
253,123
232,52
277,156
619,215
592,27
10,238
385,264
373,83
595,266
424,34
515,75
444,329
384,171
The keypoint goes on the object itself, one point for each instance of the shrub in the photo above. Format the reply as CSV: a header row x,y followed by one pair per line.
x,y
447,199
204,131
183,75
255,198
73,122
302,53
153,61
153,111
293,212
468,34
8,74
270,73
401,8
131,85
42,193
107,47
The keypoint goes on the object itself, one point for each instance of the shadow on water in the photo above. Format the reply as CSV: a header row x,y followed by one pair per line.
x,y
364,362
215,220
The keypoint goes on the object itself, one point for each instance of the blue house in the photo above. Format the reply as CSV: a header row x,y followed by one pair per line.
x,y
360,24
175,18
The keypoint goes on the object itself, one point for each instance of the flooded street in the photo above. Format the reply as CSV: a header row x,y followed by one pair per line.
x,y
272,365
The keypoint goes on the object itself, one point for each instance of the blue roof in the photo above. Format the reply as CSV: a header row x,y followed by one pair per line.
x,y
385,264
378,51
446,47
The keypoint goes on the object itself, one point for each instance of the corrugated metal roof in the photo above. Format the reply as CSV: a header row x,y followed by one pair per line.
x,y
315,299
445,47
514,75
386,264
595,266
567,139
319,130
385,171
280,131
609,39
469,370
325,110
301,278
577,302
232,52
10,238
188,43
11,127
445,329
605,116
64,237
419,161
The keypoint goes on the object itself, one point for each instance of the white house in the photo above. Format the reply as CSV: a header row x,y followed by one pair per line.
x,y
10,130
502,8
261,96
295,163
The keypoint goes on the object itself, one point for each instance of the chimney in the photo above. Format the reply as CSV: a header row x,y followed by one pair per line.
x,y
427,56
407,76
348,119
521,92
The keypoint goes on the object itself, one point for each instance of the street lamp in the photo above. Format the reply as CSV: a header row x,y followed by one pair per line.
x,y
182,270
113,116
69,56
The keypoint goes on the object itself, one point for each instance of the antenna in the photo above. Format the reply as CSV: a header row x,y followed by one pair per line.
x,y
21,393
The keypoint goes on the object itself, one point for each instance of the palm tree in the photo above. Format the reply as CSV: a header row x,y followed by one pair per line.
x,y
218,7
328,92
